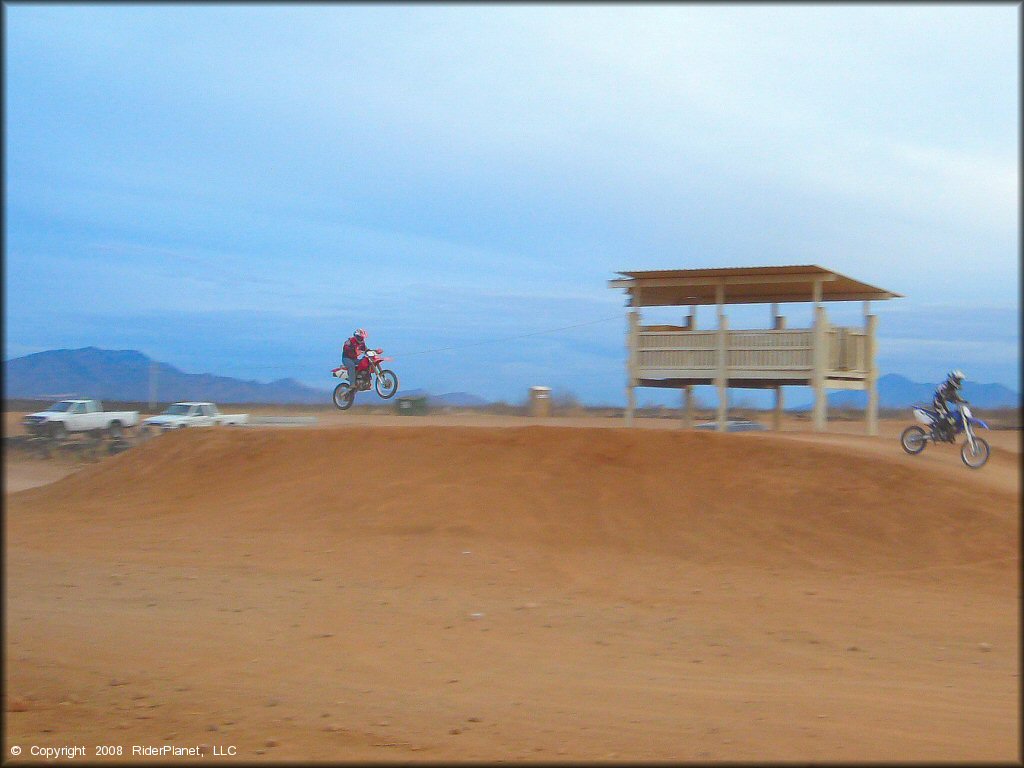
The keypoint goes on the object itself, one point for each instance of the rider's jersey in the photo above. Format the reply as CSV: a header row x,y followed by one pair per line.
x,y
947,391
353,347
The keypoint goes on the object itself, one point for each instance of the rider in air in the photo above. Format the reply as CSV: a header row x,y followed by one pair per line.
x,y
354,346
949,390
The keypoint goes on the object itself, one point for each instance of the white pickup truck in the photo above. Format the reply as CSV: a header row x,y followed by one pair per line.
x,y
182,415
67,416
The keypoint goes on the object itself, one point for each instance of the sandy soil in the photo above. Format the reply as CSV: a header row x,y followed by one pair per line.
x,y
22,472
495,592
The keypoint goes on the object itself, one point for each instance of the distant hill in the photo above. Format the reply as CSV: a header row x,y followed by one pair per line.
x,y
895,391
457,400
449,399
124,375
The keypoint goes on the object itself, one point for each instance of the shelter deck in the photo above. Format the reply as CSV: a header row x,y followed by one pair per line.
x,y
823,356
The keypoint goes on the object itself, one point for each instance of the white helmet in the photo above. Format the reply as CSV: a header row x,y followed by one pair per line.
x,y
956,376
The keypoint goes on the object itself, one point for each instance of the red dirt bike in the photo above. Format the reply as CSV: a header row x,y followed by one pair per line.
x,y
368,372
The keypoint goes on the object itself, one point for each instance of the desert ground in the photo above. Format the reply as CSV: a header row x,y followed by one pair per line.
x,y
488,588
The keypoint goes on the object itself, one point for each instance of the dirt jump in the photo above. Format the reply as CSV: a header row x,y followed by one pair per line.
x,y
535,593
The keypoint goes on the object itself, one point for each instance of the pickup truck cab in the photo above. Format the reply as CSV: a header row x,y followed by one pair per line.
x,y
70,416
190,414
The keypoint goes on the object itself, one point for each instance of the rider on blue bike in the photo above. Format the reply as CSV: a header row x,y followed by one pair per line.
x,y
949,390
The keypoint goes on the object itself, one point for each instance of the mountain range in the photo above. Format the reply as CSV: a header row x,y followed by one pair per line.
x,y
895,391
125,375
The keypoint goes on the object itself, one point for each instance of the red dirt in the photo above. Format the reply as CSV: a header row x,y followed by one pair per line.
x,y
535,593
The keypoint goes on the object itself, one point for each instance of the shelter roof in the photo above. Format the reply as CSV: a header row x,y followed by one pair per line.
x,y
743,285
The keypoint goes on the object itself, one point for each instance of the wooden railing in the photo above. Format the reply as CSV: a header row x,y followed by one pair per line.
x,y
847,350
756,354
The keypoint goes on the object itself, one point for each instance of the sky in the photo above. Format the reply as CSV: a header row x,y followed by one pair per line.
x,y
233,189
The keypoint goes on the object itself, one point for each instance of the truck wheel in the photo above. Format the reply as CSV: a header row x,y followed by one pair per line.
x,y
58,431
90,450
114,430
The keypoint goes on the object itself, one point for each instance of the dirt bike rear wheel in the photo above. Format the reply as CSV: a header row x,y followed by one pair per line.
x,y
386,384
344,396
977,458
913,440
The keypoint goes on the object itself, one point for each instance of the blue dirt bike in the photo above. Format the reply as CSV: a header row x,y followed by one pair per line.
x,y
975,450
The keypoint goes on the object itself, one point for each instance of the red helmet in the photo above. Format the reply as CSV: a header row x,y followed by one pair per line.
x,y
359,333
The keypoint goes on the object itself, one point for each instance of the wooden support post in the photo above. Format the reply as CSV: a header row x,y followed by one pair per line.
x,y
722,377
686,392
632,342
778,321
871,377
778,324
722,372
820,363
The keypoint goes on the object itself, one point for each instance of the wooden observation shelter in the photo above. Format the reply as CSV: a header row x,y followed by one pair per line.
x,y
823,356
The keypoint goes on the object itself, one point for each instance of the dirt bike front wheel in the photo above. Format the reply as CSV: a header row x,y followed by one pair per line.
x,y
913,440
344,396
386,384
975,459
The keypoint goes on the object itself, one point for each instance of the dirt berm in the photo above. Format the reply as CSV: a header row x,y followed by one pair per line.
x,y
527,593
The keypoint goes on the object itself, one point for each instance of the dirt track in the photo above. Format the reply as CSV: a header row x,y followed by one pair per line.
x,y
538,593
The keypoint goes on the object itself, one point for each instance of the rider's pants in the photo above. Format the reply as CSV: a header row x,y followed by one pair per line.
x,y
946,421
350,366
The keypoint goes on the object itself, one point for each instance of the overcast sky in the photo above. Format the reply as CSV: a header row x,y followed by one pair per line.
x,y
232,189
